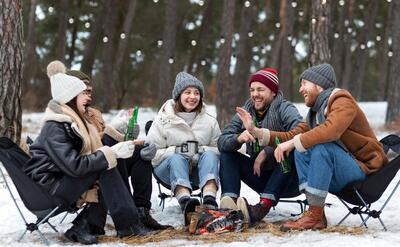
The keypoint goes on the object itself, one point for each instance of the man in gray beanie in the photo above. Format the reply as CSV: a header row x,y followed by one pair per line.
x,y
334,147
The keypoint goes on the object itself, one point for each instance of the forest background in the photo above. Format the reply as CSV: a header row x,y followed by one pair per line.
x,y
133,49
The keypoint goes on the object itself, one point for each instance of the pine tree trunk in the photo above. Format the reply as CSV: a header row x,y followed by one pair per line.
x,y
109,30
393,110
71,50
11,47
285,67
244,54
94,39
337,58
348,68
319,47
225,88
29,67
168,58
62,31
383,60
362,54
198,52
121,51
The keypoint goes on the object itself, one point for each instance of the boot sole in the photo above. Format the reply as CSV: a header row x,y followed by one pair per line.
x,y
288,229
228,202
242,206
72,236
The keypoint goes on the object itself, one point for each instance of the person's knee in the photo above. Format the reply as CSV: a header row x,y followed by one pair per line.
x,y
177,159
228,158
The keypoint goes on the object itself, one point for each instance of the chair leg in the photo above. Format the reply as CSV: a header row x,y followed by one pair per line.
x,y
343,219
45,240
63,218
302,203
22,235
162,197
52,227
12,196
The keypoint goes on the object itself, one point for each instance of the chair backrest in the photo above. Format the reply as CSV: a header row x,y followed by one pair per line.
x,y
34,197
372,188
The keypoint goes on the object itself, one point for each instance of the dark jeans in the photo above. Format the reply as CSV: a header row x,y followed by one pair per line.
x,y
271,184
140,173
114,197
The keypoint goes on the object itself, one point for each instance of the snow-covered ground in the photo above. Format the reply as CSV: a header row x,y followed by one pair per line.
x,y
11,225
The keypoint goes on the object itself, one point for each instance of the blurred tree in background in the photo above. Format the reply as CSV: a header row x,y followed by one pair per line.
x,y
133,49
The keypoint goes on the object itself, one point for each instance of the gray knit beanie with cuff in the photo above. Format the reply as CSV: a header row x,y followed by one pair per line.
x,y
322,75
184,80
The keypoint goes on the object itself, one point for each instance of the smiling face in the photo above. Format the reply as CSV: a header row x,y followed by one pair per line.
x,y
190,98
261,95
83,100
310,92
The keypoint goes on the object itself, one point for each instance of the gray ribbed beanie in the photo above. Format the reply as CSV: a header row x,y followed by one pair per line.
x,y
322,75
184,80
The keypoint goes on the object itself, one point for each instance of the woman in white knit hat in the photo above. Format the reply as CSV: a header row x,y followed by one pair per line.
x,y
187,139
68,158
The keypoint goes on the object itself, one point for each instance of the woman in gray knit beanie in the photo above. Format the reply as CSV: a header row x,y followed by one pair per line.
x,y
187,139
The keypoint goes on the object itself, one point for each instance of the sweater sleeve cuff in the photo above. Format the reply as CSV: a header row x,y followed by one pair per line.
x,y
113,133
297,143
110,156
266,135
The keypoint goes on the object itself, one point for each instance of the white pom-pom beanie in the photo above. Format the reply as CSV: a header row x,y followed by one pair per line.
x,y
63,87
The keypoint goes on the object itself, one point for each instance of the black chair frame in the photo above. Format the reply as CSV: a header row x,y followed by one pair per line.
x,y
43,212
360,195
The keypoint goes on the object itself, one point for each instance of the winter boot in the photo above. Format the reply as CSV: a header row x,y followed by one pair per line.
x,y
256,213
314,219
137,229
210,202
147,220
188,205
96,230
228,202
80,232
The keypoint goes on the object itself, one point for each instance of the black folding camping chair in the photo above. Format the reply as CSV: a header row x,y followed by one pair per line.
x,y
362,194
35,199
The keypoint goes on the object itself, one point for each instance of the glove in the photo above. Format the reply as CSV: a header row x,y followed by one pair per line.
x,y
120,121
123,150
148,151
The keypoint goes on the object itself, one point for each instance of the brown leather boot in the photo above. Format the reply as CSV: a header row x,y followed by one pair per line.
x,y
314,219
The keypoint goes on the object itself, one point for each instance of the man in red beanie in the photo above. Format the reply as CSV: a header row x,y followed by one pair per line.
x,y
258,167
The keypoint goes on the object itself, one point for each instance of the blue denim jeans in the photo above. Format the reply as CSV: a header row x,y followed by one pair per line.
x,y
175,170
326,168
271,184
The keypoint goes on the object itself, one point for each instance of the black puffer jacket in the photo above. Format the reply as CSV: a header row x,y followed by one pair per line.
x,y
56,153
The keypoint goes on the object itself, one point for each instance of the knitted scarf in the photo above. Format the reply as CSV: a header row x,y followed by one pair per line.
x,y
316,114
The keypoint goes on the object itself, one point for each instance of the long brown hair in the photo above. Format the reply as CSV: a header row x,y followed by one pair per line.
x,y
180,108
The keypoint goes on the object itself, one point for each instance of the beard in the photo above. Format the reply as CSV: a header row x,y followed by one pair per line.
x,y
310,99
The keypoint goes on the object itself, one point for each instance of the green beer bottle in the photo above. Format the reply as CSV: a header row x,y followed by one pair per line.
x,y
131,125
285,166
256,145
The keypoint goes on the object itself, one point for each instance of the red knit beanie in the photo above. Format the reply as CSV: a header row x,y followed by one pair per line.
x,y
268,77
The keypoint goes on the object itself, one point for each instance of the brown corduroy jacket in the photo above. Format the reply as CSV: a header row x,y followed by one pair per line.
x,y
346,122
